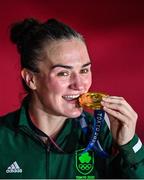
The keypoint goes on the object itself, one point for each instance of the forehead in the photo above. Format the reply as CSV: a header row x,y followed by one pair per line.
x,y
66,52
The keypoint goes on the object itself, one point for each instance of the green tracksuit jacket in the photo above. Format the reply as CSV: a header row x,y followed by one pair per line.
x,y
24,155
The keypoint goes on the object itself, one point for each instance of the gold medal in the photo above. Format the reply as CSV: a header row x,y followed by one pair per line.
x,y
91,100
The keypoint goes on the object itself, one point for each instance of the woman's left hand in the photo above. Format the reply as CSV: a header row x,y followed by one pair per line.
x,y
122,118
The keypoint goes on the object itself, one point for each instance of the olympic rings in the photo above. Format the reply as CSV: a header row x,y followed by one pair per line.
x,y
85,166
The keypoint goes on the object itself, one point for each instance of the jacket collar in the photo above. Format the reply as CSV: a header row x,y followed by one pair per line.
x,y
68,128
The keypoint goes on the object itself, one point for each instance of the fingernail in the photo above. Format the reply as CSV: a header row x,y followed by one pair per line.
x,y
103,98
102,102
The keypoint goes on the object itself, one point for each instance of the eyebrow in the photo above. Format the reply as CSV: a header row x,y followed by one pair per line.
x,y
69,67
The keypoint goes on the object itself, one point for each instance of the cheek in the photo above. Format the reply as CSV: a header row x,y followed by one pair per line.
x,y
57,85
88,81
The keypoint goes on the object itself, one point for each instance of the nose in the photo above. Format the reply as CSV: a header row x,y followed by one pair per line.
x,y
77,83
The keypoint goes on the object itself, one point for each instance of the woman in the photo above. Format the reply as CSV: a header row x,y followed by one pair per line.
x,y
45,138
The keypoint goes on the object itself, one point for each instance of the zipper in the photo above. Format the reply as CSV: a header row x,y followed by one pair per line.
x,y
32,135
47,160
48,147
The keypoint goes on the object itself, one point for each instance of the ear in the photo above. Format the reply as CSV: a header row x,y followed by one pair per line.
x,y
28,77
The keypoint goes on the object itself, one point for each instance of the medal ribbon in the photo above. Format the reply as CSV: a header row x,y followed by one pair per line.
x,y
98,122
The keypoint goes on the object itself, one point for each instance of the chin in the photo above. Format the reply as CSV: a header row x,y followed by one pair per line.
x,y
74,114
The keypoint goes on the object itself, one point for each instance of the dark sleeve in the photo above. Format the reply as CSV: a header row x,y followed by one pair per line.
x,y
132,155
126,161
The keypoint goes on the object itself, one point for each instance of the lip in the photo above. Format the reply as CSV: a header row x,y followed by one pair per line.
x,y
74,101
72,98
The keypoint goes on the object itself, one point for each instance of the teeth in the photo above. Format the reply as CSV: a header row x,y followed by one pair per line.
x,y
70,97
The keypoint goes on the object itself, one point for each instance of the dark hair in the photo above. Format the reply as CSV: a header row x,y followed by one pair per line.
x,y
30,36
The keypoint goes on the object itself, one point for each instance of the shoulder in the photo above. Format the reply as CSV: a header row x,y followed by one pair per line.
x,y
10,119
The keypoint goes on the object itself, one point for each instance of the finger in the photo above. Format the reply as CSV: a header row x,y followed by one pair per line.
x,y
119,116
113,97
117,107
118,100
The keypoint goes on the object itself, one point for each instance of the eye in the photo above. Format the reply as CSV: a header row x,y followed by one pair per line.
x,y
63,73
84,71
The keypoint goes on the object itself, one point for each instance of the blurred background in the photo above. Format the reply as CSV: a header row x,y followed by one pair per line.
x,y
114,32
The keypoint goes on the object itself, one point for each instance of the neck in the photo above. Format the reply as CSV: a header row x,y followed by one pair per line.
x,y
47,123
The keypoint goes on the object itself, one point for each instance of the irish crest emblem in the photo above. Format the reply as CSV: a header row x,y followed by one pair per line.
x,y
84,161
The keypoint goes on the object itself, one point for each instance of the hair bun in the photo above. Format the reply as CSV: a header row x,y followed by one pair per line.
x,y
52,21
21,31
